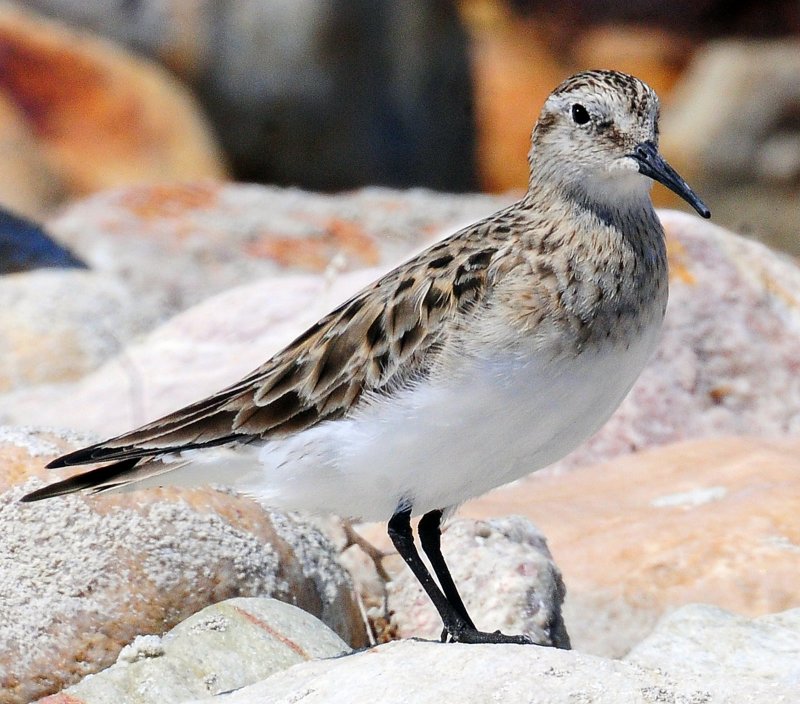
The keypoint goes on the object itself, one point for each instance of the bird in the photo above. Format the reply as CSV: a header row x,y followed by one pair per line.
x,y
489,355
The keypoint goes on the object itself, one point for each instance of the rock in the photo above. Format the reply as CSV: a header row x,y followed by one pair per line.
x,y
28,184
216,236
505,575
194,354
58,325
221,648
730,101
711,521
323,95
704,640
81,577
101,116
732,127
655,53
24,245
429,673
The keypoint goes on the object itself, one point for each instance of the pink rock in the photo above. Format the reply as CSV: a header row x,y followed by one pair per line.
x,y
709,521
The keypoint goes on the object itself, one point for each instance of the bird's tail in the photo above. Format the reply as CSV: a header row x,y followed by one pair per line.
x,y
95,480
190,468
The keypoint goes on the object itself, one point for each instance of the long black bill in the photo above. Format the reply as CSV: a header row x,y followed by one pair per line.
x,y
653,165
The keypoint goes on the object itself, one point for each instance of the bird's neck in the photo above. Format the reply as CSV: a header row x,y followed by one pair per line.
x,y
622,239
619,205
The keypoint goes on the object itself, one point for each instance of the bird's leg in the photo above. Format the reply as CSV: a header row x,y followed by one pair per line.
x,y
454,623
430,535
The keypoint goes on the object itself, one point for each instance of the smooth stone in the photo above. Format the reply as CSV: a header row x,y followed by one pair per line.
x,y
430,673
223,647
706,641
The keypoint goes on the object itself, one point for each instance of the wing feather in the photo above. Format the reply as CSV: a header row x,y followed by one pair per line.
x,y
388,334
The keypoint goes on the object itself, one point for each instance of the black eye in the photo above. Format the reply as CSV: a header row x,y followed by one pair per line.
x,y
579,114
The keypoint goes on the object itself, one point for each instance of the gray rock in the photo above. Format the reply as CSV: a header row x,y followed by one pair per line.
x,y
223,647
505,575
732,124
706,641
416,672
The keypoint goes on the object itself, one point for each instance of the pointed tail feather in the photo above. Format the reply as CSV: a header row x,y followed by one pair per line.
x,y
99,479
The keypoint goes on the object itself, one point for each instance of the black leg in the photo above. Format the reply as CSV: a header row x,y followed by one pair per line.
x,y
430,535
454,623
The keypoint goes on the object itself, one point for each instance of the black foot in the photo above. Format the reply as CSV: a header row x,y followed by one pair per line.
x,y
473,635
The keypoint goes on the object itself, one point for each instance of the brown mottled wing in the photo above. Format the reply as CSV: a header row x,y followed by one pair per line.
x,y
387,335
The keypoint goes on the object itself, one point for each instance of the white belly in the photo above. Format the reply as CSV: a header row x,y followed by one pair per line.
x,y
440,444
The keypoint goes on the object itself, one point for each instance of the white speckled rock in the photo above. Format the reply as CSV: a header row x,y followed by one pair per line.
x,y
81,577
223,647
505,575
708,641
416,672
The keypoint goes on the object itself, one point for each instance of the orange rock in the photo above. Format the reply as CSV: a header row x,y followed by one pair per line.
x,y
655,55
710,521
102,116
28,185
514,73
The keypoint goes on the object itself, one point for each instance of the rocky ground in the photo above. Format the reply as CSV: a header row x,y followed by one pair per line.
x,y
688,496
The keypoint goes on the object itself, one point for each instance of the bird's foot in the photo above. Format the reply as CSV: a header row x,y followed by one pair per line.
x,y
468,634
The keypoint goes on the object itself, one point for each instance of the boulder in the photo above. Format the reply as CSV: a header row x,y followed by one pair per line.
x,y
81,577
708,641
221,648
731,125
216,236
711,521
193,354
102,116
429,673
60,324
505,575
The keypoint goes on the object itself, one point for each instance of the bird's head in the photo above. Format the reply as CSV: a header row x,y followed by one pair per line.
x,y
597,137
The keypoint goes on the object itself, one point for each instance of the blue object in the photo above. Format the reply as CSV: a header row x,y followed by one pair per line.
x,y
24,246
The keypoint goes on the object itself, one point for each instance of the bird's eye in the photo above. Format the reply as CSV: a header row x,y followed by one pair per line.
x,y
579,114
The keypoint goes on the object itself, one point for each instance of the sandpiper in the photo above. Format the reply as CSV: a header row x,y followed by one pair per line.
x,y
489,355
